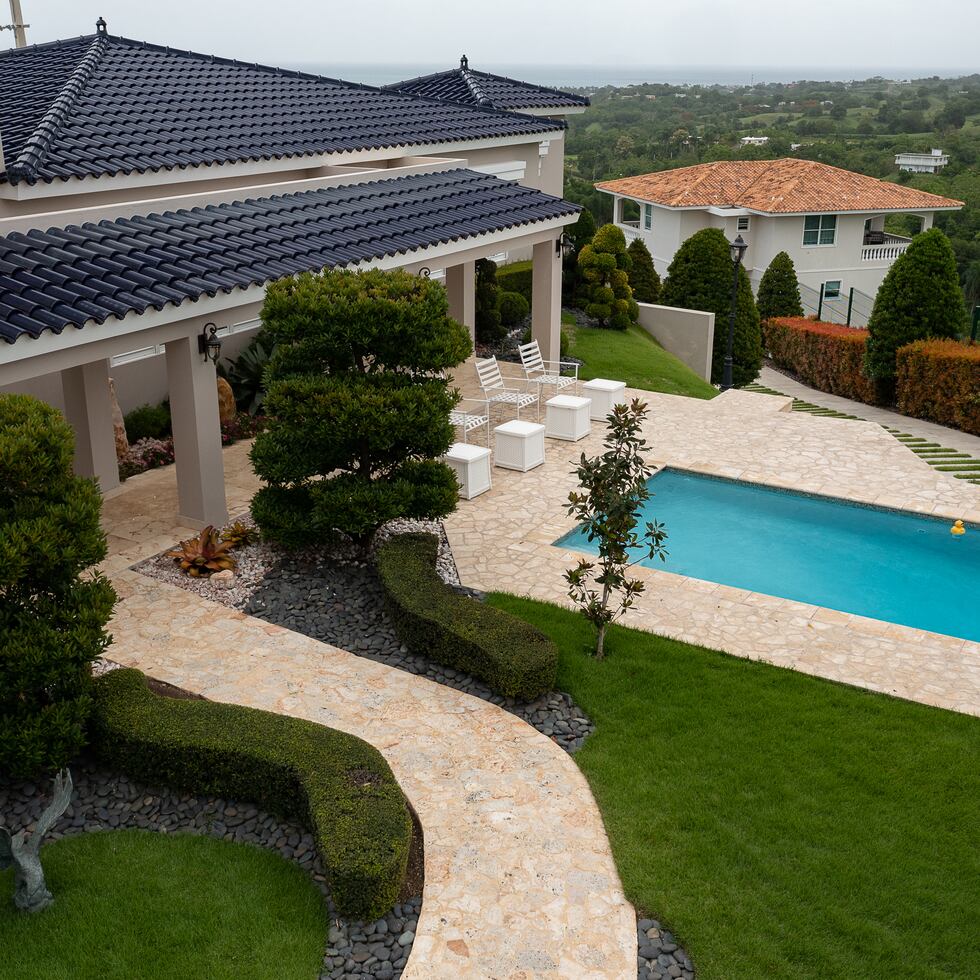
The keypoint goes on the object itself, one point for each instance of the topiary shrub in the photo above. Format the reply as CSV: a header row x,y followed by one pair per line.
x,y
779,289
517,277
919,298
700,278
246,373
939,380
53,609
604,265
147,422
337,785
489,329
358,410
643,277
510,656
513,309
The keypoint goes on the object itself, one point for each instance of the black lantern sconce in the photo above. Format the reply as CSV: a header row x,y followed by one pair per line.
x,y
208,343
564,246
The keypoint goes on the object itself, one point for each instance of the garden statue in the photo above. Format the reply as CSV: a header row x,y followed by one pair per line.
x,y
30,892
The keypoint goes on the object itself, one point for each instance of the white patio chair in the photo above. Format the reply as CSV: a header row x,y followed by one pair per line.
x,y
470,414
542,372
495,392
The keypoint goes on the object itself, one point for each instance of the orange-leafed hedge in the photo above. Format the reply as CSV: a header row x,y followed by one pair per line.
x,y
939,380
826,356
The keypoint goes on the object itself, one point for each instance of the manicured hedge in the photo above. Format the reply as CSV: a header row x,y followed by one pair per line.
x,y
337,785
510,656
515,278
939,380
826,356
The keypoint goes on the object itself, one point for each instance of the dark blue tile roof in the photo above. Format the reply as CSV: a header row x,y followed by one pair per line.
x,y
108,105
465,86
66,276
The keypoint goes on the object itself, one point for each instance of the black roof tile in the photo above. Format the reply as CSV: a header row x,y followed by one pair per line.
x,y
65,276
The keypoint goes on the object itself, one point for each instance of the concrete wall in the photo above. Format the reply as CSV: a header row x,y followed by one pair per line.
x,y
687,334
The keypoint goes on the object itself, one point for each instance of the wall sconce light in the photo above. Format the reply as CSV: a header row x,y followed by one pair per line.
x,y
208,343
564,245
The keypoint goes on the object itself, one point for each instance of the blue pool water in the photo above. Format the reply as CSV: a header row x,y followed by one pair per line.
x,y
883,564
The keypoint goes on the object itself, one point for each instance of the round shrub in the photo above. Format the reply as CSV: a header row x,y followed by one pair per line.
x,y
603,265
513,309
147,422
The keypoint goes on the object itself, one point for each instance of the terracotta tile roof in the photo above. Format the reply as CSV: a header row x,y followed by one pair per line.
x,y
786,186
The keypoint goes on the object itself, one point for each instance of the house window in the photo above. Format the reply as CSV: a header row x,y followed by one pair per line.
x,y
743,224
831,289
647,217
820,229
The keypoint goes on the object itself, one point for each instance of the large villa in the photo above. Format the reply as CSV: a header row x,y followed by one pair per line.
x,y
387,753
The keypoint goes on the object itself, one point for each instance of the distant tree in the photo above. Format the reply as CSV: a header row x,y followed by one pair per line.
x,y
920,297
971,283
643,278
779,290
700,278
583,231
489,328
604,265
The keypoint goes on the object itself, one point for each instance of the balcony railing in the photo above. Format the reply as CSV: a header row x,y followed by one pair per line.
x,y
882,247
630,230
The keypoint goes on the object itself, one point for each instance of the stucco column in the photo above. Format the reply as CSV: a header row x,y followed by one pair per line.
x,y
461,289
88,408
197,435
546,299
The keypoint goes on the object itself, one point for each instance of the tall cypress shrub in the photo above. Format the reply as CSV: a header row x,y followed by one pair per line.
x,y
52,617
489,327
700,278
779,290
643,277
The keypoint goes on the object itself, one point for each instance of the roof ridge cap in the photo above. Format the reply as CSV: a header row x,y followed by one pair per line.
x,y
474,86
39,142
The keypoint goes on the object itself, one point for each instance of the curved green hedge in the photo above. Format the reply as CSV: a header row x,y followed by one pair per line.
x,y
433,621
337,785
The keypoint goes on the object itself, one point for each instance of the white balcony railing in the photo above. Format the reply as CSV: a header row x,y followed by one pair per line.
x,y
630,230
889,250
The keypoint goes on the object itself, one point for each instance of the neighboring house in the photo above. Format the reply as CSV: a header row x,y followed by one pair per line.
x,y
148,193
922,163
830,221
754,140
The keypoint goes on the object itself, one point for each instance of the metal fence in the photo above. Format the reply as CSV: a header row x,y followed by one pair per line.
x,y
851,307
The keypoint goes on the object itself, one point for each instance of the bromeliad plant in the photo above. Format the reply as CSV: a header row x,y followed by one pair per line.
x,y
240,534
613,488
204,555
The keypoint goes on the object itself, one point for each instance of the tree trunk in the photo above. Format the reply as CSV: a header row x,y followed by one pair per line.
x,y
600,642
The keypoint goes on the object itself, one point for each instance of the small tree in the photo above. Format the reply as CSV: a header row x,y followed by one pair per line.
x,y
489,328
700,278
581,234
613,488
920,297
779,290
604,266
358,406
643,277
53,609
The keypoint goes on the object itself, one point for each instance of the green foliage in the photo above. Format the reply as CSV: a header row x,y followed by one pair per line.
x,y
919,298
246,373
700,278
489,329
338,786
147,422
204,554
516,277
513,309
613,487
604,267
779,290
583,231
433,621
643,277
358,408
53,610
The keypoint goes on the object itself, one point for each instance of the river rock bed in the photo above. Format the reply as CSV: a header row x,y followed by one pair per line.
x,y
104,800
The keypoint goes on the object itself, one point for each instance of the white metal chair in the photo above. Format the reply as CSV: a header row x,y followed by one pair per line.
x,y
542,372
497,393
467,419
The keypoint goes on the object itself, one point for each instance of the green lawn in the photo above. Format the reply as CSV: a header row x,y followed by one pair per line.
x,y
782,825
635,357
136,904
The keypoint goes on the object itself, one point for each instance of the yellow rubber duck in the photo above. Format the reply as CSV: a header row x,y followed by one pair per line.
x,y
957,528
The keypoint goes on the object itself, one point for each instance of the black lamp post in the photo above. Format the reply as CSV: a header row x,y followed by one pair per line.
x,y
737,249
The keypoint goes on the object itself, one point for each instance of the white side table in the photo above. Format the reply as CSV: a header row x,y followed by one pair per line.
x,y
567,417
604,394
520,445
471,464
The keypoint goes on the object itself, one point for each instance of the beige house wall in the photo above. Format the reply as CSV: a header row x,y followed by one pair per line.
x,y
687,334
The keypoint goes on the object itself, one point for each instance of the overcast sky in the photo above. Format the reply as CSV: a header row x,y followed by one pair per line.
x,y
831,33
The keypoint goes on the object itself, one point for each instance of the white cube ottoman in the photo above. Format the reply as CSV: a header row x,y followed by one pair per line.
x,y
604,394
519,445
471,464
567,417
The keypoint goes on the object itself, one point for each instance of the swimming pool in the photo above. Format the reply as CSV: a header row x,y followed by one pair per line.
x,y
885,564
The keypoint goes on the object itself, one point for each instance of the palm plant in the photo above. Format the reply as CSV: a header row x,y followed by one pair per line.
x,y
246,373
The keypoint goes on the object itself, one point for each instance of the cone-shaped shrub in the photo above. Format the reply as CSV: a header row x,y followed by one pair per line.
x,y
604,265
52,618
919,298
357,405
779,290
643,277
489,327
700,278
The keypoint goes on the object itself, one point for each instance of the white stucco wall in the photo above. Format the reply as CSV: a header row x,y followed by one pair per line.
x,y
687,334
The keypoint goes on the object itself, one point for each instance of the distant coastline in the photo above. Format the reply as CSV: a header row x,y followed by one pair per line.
x,y
596,76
